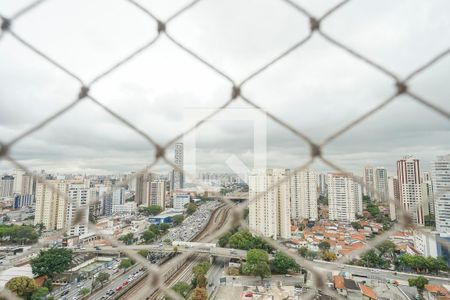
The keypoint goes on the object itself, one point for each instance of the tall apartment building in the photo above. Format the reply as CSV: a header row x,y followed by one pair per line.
x,y
394,196
440,173
177,177
7,186
52,203
157,193
427,194
269,214
304,195
118,196
381,184
369,183
142,187
78,209
408,173
322,181
344,197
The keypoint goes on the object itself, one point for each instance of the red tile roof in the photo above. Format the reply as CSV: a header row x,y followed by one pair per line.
x,y
339,282
367,291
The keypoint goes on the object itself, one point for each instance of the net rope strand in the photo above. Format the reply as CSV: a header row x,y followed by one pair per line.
x,y
156,273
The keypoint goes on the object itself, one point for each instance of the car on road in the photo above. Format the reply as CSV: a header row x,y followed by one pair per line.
x,y
118,288
125,282
65,292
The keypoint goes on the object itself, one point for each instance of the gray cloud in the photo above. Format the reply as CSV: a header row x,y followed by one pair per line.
x,y
317,88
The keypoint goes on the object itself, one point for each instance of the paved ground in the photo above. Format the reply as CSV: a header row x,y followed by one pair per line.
x,y
228,292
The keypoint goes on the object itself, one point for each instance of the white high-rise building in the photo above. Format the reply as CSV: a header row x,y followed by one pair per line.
x,y
269,214
177,180
304,195
369,184
344,197
118,196
322,181
394,196
18,181
440,173
78,209
52,203
408,173
7,186
381,185
157,193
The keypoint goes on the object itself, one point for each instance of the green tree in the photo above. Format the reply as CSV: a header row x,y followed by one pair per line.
x,y
85,291
241,240
191,208
151,210
372,260
302,251
102,277
155,229
143,253
51,262
283,264
356,225
22,286
201,281
373,209
125,263
128,238
312,254
386,247
40,293
154,210
201,268
328,256
148,236
257,263
223,241
163,227
182,288
199,294
324,246
418,282
177,220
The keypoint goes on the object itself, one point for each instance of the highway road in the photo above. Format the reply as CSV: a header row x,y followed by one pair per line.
x,y
375,273
114,283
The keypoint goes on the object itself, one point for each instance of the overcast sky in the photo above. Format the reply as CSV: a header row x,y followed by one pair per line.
x,y
317,89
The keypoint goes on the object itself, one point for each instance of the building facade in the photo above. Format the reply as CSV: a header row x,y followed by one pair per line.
x,y
269,212
440,173
304,195
157,193
369,184
394,196
344,197
7,186
408,173
78,209
177,177
381,185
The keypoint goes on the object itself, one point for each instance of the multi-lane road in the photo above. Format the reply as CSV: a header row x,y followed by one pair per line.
x,y
375,273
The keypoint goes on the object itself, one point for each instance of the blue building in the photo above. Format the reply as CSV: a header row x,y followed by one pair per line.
x,y
22,200
165,217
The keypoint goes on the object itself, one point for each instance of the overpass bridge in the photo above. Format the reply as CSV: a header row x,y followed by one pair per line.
x,y
198,249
